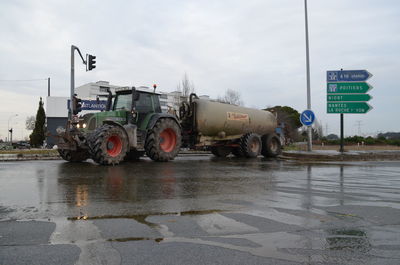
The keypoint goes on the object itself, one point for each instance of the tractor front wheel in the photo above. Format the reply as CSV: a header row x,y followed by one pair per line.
x,y
163,141
108,145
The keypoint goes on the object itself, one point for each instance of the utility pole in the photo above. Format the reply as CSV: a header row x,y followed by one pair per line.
x,y
359,124
48,86
309,128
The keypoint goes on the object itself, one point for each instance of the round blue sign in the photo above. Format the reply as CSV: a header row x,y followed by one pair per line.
x,y
307,117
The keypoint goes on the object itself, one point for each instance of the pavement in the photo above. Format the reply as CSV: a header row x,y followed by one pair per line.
x,y
200,210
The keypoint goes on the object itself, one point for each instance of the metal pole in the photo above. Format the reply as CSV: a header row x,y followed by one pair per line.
x,y
72,82
341,132
48,87
8,125
309,128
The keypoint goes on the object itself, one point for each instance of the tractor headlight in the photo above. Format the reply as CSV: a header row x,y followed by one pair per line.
x,y
78,126
84,125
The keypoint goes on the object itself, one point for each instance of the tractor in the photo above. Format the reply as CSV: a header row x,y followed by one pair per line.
x,y
132,125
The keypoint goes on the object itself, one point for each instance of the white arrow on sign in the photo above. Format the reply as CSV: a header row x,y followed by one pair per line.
x,y
308,118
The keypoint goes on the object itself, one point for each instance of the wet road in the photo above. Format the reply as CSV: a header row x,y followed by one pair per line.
x,y
200,210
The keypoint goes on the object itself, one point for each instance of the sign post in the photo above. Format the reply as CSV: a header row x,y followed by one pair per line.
x,y
346,94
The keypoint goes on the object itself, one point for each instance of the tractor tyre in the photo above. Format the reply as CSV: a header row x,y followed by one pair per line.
x,y
133,155
271,145
163,141
108,145
250,145
74,155
220,151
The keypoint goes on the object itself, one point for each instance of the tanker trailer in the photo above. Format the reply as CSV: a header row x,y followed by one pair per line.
x,y
226,128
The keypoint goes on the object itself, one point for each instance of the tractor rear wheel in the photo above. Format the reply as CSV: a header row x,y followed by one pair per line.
x,y
74,155
220,151
108,145
250,145
271,145
163,141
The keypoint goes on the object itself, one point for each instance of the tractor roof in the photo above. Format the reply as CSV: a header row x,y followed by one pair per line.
x,y
128,90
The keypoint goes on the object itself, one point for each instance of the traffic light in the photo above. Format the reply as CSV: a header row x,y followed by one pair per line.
x,y
77,105
11,130
90,62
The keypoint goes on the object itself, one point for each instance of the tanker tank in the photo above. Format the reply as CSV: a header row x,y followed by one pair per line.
x,y
222,119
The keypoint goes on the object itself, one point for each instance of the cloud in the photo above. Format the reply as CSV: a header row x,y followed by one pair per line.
x,y
254,47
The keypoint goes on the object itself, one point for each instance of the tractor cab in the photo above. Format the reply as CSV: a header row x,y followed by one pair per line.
x,y
140,104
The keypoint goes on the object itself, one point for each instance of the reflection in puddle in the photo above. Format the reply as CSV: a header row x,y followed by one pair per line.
x,y
158,239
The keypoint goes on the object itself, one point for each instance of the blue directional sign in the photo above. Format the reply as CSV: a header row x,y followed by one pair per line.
x,y
307,117
348,76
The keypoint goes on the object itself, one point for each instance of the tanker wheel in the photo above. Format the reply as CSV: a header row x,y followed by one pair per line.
x,y
133,155
108,145
220,151
163,141
74,155
271,145
250,145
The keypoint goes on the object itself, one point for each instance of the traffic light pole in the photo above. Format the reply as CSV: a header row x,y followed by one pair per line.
x,y
71,106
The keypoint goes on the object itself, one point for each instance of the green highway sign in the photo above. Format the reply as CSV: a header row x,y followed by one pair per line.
x,y
348,107
348,87
348,97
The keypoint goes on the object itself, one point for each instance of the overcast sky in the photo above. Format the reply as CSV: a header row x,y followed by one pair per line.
x,y
254,47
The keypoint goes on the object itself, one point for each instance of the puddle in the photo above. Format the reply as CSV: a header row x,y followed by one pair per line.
x,y
158,240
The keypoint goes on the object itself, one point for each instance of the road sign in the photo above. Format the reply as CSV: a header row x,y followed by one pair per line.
x,y
348,107
348,76
350,97
348,88
92,104
307,117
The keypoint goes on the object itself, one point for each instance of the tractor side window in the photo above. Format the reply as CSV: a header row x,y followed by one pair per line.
x,y
144,104
156,101
123,102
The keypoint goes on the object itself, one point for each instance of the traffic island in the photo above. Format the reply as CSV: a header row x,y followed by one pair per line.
x,y
31,154
330,155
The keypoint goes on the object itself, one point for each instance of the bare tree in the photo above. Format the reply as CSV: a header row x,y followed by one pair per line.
x,y
232,97
30,123
186,86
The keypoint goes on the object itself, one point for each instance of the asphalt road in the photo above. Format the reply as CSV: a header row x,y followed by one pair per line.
x,y
200,210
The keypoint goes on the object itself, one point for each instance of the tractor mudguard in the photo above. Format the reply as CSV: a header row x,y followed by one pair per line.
x,y
158,116
129,129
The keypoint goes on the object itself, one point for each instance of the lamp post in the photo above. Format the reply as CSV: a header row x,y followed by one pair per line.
x,y
8,127
309,129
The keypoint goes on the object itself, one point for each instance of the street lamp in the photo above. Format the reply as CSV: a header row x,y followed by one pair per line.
x,y
8,125
309,129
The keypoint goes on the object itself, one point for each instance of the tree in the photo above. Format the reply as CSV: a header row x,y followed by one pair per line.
x,y
185,86
332,137
289,119
232,97
37,136
30,123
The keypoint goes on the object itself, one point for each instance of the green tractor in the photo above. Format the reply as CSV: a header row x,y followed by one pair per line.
x,y
131,126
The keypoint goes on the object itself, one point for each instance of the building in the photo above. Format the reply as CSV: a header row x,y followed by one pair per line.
x,y
56,116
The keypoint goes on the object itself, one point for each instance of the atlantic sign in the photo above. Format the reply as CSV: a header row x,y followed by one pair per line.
x,y
92,104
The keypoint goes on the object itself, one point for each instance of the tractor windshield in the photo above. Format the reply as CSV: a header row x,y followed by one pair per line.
x,y
123,101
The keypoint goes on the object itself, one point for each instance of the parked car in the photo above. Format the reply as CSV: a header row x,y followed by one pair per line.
x,y
21,145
